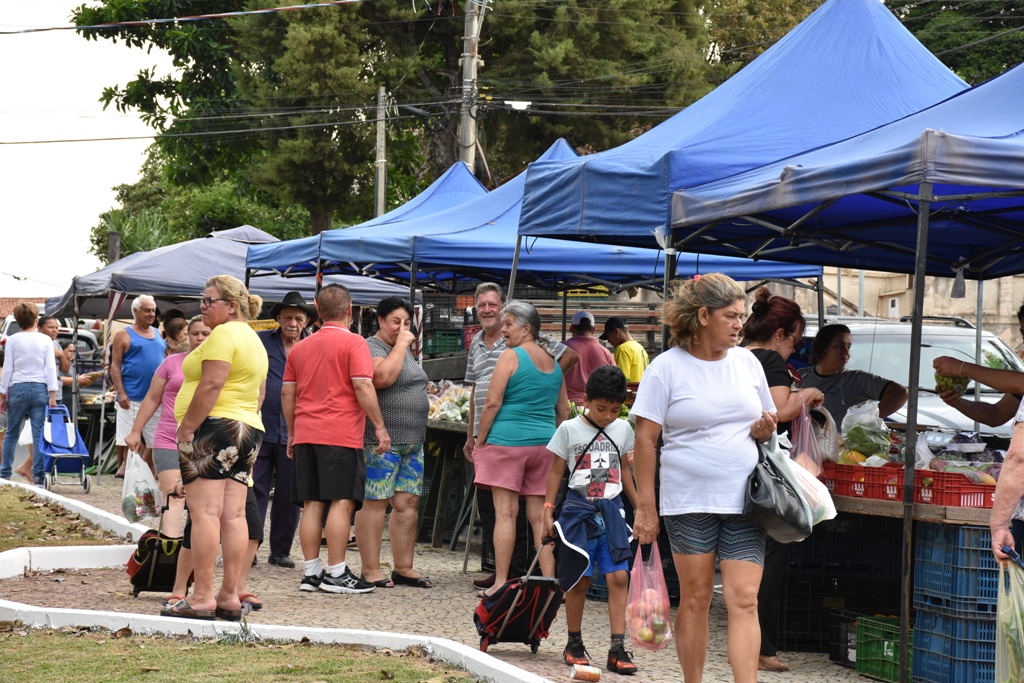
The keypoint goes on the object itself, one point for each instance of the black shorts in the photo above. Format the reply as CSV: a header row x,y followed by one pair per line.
x,y
326,473
220,449
252,521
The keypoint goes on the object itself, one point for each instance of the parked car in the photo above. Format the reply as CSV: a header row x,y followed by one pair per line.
x,y
883,347
88,346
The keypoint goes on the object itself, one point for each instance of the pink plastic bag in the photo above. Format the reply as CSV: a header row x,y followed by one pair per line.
x,y
647,610
805,446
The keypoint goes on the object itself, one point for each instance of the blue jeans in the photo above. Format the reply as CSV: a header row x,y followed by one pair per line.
x,y
24,399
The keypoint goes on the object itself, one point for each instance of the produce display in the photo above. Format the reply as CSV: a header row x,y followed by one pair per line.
x,y
448,401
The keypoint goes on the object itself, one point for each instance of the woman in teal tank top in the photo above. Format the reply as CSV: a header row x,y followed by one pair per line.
x,y
526,401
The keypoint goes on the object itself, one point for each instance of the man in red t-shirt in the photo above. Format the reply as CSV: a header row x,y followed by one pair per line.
x,y
326,397
592,355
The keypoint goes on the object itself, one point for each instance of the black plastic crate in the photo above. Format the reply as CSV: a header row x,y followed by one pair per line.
x,y
842,644
850,546
808,601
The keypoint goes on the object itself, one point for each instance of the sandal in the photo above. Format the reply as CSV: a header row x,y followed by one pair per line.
x,y
251,600
185,611
415,582
380,583
172,600
233,614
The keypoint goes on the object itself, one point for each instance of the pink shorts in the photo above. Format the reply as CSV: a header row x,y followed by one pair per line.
x,y
523,469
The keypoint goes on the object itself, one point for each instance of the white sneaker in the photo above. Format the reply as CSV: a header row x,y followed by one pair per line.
x,y
346,583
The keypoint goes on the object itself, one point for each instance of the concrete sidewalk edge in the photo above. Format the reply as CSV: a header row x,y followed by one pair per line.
x,y
477,663
15,562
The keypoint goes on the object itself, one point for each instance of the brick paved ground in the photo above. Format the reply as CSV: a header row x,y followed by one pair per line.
x,y
444,611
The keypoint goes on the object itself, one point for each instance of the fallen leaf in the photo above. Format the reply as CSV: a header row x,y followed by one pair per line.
x,y
122,632
151,668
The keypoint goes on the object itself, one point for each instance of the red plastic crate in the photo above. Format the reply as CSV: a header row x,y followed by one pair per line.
x,y
468,332
952,490
846,480
885,483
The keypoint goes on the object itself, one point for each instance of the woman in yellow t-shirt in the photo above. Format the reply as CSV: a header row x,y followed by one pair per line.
x,y
219,435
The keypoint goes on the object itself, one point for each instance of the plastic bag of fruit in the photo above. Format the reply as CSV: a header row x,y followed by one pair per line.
x,y
805,446
140,497
647,609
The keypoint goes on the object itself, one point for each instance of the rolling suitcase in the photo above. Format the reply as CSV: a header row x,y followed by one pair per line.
x,y
153,565
521,611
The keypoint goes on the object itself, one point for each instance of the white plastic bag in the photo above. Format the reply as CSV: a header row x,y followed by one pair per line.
x,y
25,438
140,497
864,431
819,501
826,432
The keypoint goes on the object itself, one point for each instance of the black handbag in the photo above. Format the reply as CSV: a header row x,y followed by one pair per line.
x,y
773,502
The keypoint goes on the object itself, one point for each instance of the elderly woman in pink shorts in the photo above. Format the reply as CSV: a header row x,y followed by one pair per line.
x,y
525,402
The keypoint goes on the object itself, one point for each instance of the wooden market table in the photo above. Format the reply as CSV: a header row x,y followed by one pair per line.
x,y
922,513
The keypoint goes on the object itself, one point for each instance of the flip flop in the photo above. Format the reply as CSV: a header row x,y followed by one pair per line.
x,y
185,611
251,600
172,600
233,614
380,583
415,582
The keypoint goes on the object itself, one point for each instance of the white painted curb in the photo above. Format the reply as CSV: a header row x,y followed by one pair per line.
x,y
119,525
16,562
477,663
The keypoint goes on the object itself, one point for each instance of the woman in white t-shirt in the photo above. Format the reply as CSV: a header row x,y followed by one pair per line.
x,y
710,401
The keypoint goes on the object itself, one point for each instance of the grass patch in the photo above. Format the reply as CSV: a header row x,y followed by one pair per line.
x,y
29,521
82,656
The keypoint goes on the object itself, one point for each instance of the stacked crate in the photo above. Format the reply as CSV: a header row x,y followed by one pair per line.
x,y
852,564
956,583
442,324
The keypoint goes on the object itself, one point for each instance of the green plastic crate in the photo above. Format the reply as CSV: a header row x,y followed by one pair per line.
x,y
878,647
442,341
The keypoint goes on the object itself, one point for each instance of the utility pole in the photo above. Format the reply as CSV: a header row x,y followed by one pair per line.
x,y
381,176
470,60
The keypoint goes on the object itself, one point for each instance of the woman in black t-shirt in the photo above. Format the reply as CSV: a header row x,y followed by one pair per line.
x,y
772,331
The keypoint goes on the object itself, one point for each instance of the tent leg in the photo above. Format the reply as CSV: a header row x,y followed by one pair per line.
x,y
565,311
515,268
920,268
670,274
821,302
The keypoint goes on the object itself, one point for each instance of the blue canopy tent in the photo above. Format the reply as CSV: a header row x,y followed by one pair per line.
x,y
936,193
175,276
477,240
455,187
847,68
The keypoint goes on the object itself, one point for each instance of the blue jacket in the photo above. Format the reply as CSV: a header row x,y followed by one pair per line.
x,y
577,511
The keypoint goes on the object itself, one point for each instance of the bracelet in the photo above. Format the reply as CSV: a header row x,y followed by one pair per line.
x,y
549,506
961,371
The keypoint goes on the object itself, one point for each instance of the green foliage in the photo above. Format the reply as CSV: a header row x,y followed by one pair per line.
x,y
155,212
977,40
596,74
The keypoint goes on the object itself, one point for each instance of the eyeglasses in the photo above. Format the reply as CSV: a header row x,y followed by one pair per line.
x,y
207,301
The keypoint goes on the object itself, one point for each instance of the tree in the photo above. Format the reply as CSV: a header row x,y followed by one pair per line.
x,y
977,40
154,212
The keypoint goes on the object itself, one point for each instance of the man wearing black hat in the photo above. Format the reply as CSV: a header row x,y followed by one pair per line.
x,y
630,356
293,314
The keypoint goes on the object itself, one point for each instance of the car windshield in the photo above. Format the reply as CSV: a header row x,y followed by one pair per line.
x,y
888,356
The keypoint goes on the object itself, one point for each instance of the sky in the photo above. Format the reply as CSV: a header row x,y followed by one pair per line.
x,y
52,194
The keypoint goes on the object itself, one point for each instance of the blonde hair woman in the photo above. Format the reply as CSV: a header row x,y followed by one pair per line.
x,y
706,397
219,434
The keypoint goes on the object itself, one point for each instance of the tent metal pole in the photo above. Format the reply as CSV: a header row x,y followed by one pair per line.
x,y
670,273
515,268
821,301
920,268
412,301
977,342
565,310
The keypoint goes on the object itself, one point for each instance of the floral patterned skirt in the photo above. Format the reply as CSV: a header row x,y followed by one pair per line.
x,y
221,449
